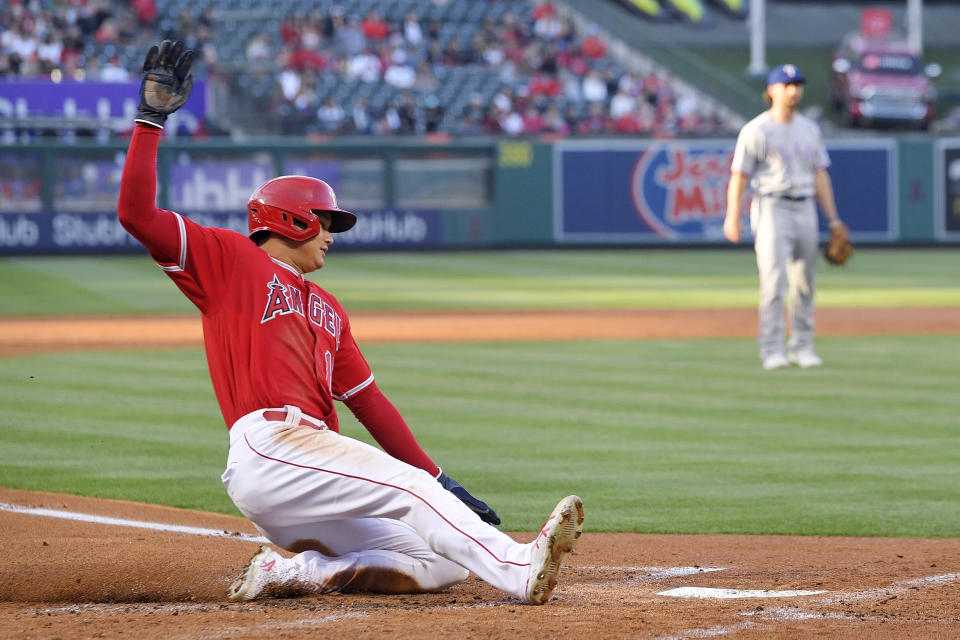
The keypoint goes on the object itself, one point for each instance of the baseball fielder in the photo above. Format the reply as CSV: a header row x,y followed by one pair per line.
x,y
280,351
781,153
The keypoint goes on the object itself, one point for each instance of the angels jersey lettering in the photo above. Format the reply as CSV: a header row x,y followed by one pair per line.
x,y
301,351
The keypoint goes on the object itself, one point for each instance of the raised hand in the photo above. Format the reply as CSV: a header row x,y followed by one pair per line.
x,y
166,83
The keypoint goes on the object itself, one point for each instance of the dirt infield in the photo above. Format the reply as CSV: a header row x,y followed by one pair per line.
x,y
66,576
24,335
69,579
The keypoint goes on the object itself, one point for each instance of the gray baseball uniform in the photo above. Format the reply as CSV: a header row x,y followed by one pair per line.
x,y
781,159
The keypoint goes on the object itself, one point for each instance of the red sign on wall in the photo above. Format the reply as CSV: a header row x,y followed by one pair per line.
x,y
876,23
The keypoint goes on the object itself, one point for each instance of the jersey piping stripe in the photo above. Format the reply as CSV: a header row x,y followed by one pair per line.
x,y
357,389
391,486
287,267
183,242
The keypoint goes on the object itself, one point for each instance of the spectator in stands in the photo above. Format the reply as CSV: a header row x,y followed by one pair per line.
x,y
365,66
511,123
50,50
307,53
425,81
492,52
6,71
145,10
290,29
349,39
90,71
412,32
389,121
503,99
258,48
399,73
533,121
594,88
593,46
596,122
548,59
629,84
544,84
374,27
549,26
453,55
205,25
432,114
542,9
113,71
407,112
330,116
290,83
18,42
554,122
621,104
360,120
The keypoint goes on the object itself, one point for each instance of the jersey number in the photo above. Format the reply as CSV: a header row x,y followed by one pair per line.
x,y
328,361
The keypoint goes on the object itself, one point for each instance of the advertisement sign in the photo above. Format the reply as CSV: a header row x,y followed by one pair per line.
x,y
101,233
675,192
948,190
216,185
112,102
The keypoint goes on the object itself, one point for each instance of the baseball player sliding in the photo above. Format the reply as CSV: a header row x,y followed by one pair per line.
x,y
280,351
782,155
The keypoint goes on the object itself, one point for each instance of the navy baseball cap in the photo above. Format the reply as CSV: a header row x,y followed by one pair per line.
x,y
787,74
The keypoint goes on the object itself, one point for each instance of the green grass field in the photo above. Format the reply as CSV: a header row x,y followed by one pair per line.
x,y
656,435
625,279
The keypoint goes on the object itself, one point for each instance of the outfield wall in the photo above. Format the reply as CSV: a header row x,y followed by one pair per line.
x,y
62,198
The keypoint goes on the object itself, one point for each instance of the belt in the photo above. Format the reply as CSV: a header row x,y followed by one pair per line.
x,y
786,196
293,415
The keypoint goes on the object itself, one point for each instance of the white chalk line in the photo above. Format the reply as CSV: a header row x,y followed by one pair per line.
x,y
729,594
777,614
709,632
248,631
653,574
138,524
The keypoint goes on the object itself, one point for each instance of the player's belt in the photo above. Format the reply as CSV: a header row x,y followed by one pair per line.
x,y
300,420
790,198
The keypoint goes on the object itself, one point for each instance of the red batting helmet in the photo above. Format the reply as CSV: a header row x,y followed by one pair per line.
x,y
288,205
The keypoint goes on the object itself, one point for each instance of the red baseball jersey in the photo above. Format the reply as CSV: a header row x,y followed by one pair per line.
x,y
272,338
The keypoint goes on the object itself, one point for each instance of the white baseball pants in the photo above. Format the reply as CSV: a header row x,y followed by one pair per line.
x,y
361,519
786,244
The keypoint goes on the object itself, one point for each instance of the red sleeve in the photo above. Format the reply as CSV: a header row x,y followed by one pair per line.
x,y
388,428
198,259
157,229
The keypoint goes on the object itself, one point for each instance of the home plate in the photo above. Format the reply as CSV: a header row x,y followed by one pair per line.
x,y
704,592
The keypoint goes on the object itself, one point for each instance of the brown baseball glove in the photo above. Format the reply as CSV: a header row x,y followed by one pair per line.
x,y
838,248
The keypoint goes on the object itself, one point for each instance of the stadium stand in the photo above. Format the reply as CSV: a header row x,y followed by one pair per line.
x,y
317,68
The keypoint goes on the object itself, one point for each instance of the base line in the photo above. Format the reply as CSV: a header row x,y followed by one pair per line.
x,y
138,524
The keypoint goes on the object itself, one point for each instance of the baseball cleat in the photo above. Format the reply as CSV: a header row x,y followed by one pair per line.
x,y
775,361
557,538
805,359
261,571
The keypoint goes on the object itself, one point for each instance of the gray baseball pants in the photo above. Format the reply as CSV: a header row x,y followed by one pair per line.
x,y
786,243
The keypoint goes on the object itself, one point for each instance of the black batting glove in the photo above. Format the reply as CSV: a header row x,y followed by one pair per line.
x,y
166,83
478,506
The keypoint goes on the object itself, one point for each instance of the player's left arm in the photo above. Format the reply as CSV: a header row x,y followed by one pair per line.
x,y
823,186
828,205
381,418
